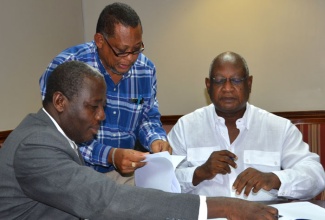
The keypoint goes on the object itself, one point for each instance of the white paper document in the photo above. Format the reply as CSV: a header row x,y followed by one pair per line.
x,y
300,210
297,211
159,172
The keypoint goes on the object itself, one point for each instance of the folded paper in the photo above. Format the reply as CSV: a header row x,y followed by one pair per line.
x,y
159,172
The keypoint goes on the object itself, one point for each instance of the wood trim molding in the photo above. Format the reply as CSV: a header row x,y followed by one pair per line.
x,y
301,114
3,136
297,117
302,117
169,119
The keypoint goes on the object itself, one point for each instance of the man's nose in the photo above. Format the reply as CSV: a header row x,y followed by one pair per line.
x,y
228,85
100,116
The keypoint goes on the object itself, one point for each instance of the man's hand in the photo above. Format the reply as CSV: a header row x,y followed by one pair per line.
x,y
219,162
238,209
160,145
252,179
126,160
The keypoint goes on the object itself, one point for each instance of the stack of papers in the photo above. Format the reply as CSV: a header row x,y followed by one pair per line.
x,y
159,172
298,211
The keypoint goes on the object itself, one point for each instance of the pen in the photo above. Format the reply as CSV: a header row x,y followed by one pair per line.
x,y
302,219
136,101
139,100
279,216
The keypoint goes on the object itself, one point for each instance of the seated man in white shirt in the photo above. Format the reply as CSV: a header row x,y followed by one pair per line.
x,y
235,149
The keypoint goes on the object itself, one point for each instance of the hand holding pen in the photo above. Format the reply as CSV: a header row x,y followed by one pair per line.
x,y
219,162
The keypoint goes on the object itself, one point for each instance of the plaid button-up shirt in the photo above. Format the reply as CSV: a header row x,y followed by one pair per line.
x,y
131,111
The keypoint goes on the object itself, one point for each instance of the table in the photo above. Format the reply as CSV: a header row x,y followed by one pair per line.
x,y
320,203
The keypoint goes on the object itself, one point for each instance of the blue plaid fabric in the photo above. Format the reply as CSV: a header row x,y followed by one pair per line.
x,y
132,108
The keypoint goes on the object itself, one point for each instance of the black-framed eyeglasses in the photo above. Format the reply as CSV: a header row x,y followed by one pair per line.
x,y
219,81
124,54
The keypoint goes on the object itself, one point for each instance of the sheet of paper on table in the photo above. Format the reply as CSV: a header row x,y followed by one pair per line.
x,y
159,172
298,211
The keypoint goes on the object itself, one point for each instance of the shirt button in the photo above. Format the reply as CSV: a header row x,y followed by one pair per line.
x,y
114,89
275,163
114,112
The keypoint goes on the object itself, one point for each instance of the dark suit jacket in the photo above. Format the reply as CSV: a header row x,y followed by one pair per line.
x,y
41,177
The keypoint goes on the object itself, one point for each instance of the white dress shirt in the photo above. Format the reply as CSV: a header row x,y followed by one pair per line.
x,y
266,142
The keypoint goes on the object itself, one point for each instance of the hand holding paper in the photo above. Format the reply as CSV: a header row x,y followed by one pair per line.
x,y
159,172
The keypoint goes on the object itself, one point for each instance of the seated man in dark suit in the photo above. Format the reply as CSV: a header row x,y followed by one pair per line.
x,y
43,177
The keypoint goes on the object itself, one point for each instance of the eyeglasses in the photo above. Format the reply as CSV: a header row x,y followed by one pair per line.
x,y
124,54
234,81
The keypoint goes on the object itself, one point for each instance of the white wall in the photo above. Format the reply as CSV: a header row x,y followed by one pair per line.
x,y
32,33
283,42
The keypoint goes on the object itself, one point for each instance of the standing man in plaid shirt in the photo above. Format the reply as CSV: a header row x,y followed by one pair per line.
x,y
132,108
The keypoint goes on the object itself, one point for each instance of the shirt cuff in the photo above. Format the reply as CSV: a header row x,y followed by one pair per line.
x,y
185,178
203,211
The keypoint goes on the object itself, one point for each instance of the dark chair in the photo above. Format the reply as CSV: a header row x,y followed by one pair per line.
x,y
3,136
313,132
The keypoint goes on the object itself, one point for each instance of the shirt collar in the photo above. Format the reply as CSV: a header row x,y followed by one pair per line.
x,y
244,121
72,143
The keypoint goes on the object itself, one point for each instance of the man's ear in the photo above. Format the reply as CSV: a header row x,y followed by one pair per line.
x,y
99,40
207,84
59,101
250,82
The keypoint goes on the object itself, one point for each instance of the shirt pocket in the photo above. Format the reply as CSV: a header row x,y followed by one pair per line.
x,y
131,114
264,161
198,156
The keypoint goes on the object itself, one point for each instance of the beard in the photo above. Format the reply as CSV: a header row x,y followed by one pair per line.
x,y
115,71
